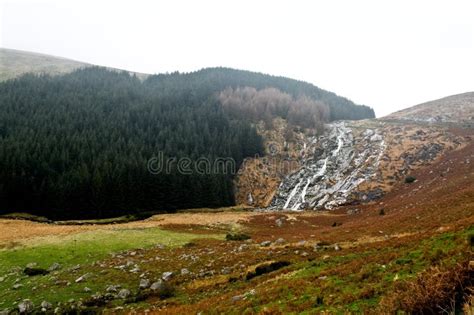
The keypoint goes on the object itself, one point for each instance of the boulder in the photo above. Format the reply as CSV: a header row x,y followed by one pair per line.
x,y
123,294
26,307
166,276
144,284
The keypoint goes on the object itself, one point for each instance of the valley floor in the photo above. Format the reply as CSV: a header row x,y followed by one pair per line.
x,y
410,251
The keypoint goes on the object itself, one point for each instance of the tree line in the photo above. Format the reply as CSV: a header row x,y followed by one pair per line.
x,y
77,145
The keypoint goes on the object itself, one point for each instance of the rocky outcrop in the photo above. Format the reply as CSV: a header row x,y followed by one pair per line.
x,y
336,164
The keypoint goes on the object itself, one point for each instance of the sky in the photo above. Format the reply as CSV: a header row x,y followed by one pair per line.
x,y
385,54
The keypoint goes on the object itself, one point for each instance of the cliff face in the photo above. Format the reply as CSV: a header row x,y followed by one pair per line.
x,y
350,163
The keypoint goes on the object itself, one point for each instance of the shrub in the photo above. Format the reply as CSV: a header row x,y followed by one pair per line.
x,y
237,237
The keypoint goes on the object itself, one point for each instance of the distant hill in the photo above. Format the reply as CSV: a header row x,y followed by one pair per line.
x,y
211,80
14,63
452,109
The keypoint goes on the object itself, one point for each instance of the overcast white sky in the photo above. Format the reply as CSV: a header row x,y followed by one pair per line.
x,y
385,54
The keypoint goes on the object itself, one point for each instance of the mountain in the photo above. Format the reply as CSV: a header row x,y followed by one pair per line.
x,y
355,162
452,109
14,63
86,143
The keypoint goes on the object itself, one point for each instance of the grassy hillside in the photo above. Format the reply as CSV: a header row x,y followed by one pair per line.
x,y
452,109
14,63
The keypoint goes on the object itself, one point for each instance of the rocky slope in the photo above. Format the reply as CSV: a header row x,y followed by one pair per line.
x,y
452,109
356,162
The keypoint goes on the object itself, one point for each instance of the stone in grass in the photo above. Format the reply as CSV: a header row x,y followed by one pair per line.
x,y
17,286
26,306
184,272
167,275
162,289
87,290
45,305
123,294
83,278
113,288
144,284
280,241
54,267
265,243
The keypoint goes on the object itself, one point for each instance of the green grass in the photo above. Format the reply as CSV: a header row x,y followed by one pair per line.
x,y
90,246
363,289
84,249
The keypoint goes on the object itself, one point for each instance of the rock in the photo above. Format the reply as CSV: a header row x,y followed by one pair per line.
x,y
280,241
144,284
265,243
83,278
353,211
156,285
16,286
167,275
26,306
237,298
135,269
54,267
74,268
160,246
184,272
279,222
32,265
304,254
242,247
2,279
45,305
162,289
123,294
112,288
57,310
225,271
87,290
336,247
301,243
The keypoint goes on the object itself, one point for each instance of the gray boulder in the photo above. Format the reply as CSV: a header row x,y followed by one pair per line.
x,y
123,294
26,306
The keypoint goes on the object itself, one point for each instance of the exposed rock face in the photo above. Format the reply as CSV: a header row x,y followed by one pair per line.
x,y
352,161
336,164
359,162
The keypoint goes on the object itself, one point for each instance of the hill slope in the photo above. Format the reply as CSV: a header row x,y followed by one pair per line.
x,y
354,162
14,63
452,109
79,144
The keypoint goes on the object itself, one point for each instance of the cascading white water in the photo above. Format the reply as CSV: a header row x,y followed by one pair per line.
x,y
329,181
